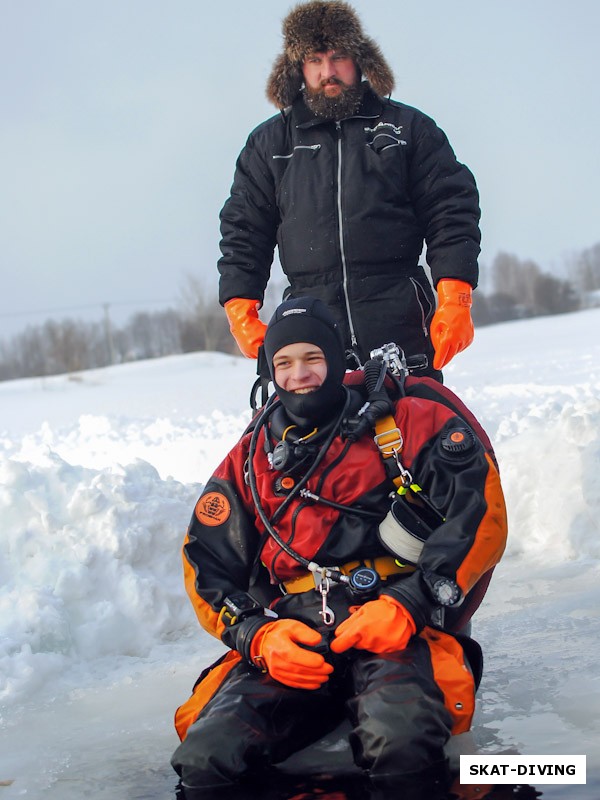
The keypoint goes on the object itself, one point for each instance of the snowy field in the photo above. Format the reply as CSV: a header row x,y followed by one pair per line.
x,y
99,473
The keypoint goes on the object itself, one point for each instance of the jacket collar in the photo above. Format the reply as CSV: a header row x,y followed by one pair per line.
x,y
370,107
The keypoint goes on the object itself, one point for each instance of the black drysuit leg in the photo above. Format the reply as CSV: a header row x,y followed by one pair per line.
x,y
251,723
400,722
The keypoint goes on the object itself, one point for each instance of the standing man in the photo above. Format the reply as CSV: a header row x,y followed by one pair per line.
x,y
336,601
349,185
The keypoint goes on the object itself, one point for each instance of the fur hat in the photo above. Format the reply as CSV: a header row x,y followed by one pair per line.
x,y
319,26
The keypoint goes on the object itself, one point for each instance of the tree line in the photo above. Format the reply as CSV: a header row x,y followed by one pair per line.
x,y
71,345
520,289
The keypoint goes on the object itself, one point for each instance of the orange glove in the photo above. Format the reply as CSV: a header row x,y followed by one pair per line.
x,y
380,626
247,329
474,791
451,327
275,647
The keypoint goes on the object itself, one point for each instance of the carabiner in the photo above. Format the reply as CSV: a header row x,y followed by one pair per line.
x,y
325,612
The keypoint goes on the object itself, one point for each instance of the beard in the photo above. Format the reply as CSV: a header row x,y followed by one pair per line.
x,y
343,105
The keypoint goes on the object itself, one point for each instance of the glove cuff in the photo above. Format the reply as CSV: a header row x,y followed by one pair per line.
x,y
239,637
238,308
255,653
246,327
457,292
412,595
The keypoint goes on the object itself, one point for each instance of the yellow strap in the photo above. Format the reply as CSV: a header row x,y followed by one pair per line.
x,y
388,439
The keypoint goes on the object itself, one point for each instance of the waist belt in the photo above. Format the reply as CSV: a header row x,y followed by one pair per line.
x,y
383,565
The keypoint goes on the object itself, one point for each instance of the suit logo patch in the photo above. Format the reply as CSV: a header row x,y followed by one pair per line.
x,y
213,509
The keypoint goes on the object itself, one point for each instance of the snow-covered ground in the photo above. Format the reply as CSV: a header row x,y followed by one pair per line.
x,y
99,472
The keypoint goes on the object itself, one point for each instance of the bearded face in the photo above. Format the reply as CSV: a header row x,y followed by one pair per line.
x,y
332,84
339,106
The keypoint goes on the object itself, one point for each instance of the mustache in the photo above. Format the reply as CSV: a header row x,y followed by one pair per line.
x,y
332,80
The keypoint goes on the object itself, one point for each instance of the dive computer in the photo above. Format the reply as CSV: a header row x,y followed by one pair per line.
x,y
444,591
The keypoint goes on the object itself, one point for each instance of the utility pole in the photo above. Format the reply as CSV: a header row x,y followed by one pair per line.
x,y
110,345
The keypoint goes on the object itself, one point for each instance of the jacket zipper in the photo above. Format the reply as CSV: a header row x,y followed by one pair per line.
x,y
353,339
424,316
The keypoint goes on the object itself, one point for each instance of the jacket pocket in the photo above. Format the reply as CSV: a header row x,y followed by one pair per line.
x,y
313,148
386,158
384,141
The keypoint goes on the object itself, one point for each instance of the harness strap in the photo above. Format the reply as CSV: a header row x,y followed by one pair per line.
x,y
388,439
383,565
261,384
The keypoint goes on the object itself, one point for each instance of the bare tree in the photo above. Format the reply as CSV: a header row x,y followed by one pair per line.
x,y
151,335
66,345
28,356
555,296
584,271
515,278
522,289
205,325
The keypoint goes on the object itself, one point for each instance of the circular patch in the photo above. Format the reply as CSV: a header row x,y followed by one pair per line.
x,y
213,509
458,441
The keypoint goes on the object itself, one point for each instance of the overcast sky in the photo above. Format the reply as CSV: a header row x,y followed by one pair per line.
x,y
122,120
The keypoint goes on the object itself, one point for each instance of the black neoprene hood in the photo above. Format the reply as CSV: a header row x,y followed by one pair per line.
x,y
306,319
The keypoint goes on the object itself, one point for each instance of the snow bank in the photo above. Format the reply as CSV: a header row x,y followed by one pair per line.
x,y
535,386
91,515
549,458
90,566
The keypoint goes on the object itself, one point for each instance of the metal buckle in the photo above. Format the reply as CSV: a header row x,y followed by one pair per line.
x,y
393,446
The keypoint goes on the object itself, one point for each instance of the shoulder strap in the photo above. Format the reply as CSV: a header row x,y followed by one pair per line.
x,y
261,383
388,439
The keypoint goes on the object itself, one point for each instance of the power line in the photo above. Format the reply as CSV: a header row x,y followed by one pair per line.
x,y
70,309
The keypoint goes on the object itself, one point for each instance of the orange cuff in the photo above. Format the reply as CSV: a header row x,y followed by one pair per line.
x,y
247,329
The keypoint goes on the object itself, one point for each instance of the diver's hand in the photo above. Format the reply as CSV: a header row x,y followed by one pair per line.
x,y
277,648
380,626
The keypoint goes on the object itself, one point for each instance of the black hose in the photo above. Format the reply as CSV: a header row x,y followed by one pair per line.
x,y
374,375
269,523
361,512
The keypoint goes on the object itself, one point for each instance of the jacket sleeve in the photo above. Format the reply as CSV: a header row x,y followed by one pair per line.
x,y
446,202
219,552
463,483
249,223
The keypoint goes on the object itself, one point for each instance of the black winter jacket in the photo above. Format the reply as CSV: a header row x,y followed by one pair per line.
x,y
349,206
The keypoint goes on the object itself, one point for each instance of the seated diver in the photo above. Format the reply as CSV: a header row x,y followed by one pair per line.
x,y
297,559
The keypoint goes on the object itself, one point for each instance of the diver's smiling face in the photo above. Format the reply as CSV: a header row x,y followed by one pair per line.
x,y
300,368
